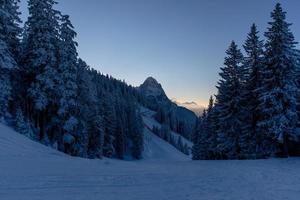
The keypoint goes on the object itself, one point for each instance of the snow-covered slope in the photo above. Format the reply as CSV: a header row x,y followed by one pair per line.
x,y
157,149
150,122
30,171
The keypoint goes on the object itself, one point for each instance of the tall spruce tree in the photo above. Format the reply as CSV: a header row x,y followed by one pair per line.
x,y
10,21
40,63
278,114
86,110
250,139
228,103
110,125
201,142
9,32
205,140
7,65
136,132
67,76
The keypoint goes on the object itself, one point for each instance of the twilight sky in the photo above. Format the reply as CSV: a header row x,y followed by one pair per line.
x,y
181,43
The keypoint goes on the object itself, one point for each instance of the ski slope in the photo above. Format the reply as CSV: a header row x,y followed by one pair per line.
x,y
31,171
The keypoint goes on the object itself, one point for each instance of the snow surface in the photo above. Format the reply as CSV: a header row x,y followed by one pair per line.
x,y
31,171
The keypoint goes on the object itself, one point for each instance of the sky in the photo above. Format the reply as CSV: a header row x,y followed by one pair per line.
x,y
181,43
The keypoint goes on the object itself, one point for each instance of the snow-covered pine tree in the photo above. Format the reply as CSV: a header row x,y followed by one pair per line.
x,y
179,144
228,103
165,132
96,135
39,63
195,130
205,137
201,141
67,72
109,120
7,62
120,134
22,125
136,132
86,111
7,65
251,139
212,121
10,21
278,115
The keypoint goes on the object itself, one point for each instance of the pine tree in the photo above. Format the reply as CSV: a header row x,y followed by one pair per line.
x,y
109,119
201,147
204,139
86,109
120,134
278,114
179,144
40,63
228,103
137,137
251,139
96,136
22,125
211,129
68,74
8,35
10,21
7,65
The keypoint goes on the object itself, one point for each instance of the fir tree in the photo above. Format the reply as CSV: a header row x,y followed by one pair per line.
x,y
201,147
22,125
67,75
120,134
7,65
179,144
109,119
10,21
251,139
136,128
228,103
278,114
40,63
96,136
86,108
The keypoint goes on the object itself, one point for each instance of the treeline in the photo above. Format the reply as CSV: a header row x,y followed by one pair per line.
x,y
178,123
164,132
256,110
52,96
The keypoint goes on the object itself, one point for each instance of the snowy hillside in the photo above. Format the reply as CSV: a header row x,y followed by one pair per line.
x,y
31,171
150,122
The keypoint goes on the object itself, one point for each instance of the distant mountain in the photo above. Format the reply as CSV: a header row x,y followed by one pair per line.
x,y
193,106
154,93
179,118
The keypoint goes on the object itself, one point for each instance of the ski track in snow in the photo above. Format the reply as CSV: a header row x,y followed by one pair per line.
x,y
31,171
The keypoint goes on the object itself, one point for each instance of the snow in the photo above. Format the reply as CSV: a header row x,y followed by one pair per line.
x,y
150,122
31,171
157,149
